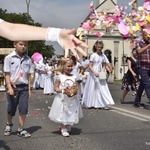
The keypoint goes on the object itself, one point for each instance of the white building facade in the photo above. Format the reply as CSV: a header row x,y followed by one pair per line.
x,y
115,47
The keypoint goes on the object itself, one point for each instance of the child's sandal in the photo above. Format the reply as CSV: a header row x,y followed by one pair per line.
x,y
8,129
23,133
134,93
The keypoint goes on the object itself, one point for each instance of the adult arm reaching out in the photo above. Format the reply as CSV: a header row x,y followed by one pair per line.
x,y
64,37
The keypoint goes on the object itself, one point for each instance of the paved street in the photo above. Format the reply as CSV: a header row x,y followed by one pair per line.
x,y
121,128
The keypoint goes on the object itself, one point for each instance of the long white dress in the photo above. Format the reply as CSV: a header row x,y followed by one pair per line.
x,y
65,110
42,75
96,93
75,71
48,82
36,83
86,72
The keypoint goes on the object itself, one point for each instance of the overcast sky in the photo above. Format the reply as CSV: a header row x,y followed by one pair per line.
x,y
54,13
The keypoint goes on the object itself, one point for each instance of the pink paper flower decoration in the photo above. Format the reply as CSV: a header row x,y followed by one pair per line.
x,y
123,29
147,4
98,34
36,57
87,25
147,30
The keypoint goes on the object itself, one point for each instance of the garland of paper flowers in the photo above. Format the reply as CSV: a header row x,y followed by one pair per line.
x,y
128,24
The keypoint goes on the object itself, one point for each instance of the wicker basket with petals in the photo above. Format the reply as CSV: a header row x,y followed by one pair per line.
x,y
72,90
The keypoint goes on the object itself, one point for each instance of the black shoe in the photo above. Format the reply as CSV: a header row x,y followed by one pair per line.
x,y
142,104
138,105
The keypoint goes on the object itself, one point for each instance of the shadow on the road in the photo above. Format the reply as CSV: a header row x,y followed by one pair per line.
x,y
74,131
3,145
147,107
131,102
33,129
30,129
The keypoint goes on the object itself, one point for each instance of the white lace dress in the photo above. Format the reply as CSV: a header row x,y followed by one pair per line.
x,y
64,109
96,93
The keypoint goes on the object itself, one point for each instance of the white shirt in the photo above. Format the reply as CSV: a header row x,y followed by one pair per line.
x,y
75,70
18,67
84,62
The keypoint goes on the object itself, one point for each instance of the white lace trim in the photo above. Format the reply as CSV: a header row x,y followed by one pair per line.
x,y
53,34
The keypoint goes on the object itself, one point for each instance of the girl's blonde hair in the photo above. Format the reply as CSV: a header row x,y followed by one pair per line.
x,y
62,62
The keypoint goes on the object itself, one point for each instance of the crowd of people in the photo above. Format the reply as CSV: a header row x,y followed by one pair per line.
x,y
74,82
18,67
56,77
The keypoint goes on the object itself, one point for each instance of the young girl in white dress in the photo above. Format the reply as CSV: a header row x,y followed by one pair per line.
x,y
96,92
65,110
49,82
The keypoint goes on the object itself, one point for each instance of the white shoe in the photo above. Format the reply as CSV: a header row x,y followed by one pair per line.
x,y
105,108
64,132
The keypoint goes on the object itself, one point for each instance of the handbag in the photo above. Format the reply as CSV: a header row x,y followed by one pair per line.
x,y
102,75
110,79
72,90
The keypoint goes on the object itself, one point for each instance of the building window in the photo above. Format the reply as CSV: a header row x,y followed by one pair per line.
x,y
124,60
108,30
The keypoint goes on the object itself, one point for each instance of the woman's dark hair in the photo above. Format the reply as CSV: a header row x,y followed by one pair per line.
x,y
95,45
84,57
134,48
74,59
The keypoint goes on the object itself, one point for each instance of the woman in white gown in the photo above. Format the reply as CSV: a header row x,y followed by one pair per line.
x,y
65,110
96,92
77,72
48,82
36,83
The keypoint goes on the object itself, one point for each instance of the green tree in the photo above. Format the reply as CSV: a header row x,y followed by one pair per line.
x,y
34,46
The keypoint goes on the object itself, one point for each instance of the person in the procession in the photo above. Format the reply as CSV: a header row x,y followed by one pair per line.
x,y
143,65
49,82
18,68
96,92
66,109
130,81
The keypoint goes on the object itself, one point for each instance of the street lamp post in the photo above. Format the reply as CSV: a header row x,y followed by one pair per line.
x,y
28,4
